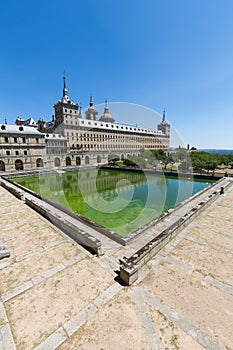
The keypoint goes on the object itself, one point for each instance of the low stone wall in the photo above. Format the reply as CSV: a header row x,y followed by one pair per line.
x,y
17,192
69,225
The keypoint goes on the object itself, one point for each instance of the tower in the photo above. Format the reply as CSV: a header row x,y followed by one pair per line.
x,y
66,111
164,126
91,112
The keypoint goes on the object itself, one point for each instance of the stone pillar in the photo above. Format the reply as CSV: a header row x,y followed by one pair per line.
x,y
128,272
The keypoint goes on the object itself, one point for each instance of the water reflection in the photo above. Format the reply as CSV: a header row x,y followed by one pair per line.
x,y
120,200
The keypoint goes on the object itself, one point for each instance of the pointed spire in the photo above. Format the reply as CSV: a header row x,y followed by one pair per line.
x,y
106,106
80,112
163,115
91,102
65,91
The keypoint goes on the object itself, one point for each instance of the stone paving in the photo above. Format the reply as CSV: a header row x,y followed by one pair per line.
x,y
57,295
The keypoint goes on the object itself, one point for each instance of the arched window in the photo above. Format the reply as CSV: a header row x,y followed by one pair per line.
x,y
18,164
2,166
78,161
98,159
68,161
39,163
87,160
57,162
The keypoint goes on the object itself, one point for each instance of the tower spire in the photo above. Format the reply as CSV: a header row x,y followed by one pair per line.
x,y
163,115
91,102
106,106
80,112
65,91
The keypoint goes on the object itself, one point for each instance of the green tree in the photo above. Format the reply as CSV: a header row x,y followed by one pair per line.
x,y
209,161
167,159
113,158
159,154
131,163
198,165
185,166
149,158
180,155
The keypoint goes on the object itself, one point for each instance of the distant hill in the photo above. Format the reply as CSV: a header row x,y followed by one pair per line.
x,y
218,151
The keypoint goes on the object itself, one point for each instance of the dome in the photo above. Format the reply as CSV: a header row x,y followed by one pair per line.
x,y
106,116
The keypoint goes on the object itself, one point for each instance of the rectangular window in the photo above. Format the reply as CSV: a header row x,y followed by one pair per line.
x,y
16,153
8,153
15,139
25,153
24,139
6,140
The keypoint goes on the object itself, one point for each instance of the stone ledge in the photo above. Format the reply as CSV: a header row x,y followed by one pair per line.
x,y
6,339
53,341
69,227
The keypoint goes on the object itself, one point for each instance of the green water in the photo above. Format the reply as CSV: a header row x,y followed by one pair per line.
x,y
119,200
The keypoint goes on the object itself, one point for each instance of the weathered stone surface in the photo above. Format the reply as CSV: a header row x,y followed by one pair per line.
x,y
187,309
52,342
77,321
6,339
4,252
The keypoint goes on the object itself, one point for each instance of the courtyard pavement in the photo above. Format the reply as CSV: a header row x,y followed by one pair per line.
x,y
57,295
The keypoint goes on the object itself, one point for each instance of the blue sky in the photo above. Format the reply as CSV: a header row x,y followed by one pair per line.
x,y
176,54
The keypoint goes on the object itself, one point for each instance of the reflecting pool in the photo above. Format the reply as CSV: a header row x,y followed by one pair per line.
x,y
119,200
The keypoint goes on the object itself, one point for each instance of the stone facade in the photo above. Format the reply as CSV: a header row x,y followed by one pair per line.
x,y
102,135
21,147
55,144
69,139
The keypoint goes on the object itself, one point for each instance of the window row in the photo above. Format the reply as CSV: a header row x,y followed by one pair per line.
x,y
8,139
75,112
16,153
120,127
95,137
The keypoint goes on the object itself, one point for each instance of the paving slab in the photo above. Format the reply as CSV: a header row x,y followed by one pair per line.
x,y
56,295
